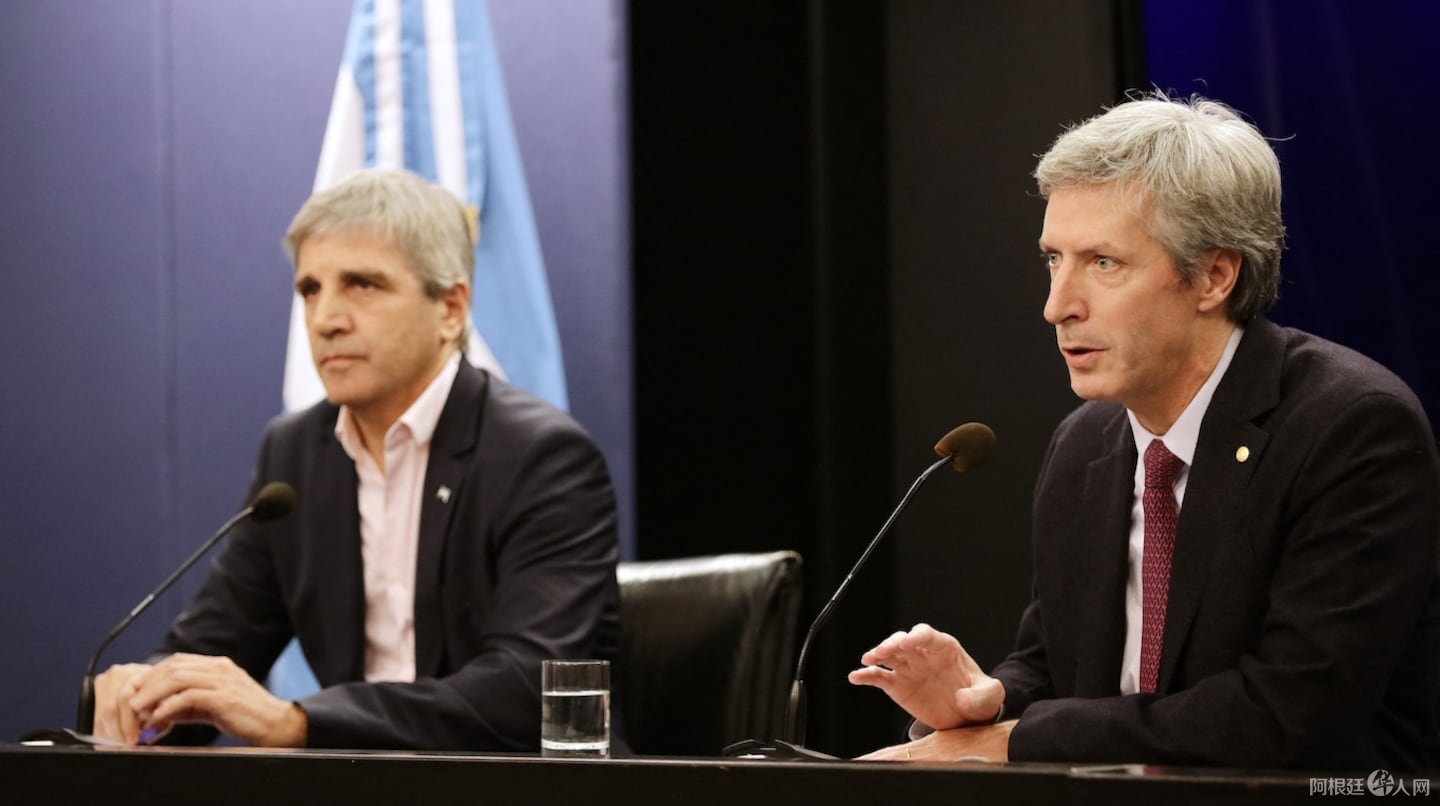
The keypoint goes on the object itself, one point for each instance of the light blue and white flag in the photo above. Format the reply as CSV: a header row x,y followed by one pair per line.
x,y
420,88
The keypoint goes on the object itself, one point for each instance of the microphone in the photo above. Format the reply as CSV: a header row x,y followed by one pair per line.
x,y
965,447
275,500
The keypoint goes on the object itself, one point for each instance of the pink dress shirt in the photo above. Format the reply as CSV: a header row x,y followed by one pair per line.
x,y
390,525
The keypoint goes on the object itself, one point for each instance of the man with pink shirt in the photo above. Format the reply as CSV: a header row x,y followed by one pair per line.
x,y
452,530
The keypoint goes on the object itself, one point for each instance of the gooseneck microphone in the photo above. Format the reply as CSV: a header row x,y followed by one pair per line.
x,y
275,500
964,447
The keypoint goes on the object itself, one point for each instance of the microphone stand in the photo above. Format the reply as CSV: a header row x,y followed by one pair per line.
x,y
793,746
85,712
795,715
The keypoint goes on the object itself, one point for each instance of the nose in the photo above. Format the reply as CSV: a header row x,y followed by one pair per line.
x,y
327,314
1065,301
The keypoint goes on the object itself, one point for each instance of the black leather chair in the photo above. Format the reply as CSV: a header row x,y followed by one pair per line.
x,y
707,650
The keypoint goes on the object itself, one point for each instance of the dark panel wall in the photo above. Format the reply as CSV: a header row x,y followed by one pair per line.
x,y
761,317
976,91
153,153
835,264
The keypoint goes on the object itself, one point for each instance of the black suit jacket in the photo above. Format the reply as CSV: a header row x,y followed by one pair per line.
x,y
1301,625
516,563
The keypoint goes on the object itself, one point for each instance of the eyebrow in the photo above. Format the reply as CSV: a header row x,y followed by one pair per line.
x,y
373,275
1099,248
348,275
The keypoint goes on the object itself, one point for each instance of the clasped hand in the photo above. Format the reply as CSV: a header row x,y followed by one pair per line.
x,y
135,700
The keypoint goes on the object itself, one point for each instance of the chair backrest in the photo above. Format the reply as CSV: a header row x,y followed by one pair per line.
x,y
707,650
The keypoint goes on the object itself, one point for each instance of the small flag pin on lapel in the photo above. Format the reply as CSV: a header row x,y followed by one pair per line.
x,y
443,494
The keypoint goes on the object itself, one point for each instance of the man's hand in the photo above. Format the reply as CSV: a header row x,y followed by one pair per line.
x,y
114,718
214,691
933,678
982,743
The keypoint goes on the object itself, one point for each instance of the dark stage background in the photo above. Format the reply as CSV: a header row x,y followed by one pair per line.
x,y
835,263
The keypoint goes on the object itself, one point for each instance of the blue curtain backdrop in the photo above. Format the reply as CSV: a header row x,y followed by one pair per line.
x,y
1351,88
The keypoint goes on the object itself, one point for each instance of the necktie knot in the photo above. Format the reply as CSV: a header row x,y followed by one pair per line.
x,y
1160,465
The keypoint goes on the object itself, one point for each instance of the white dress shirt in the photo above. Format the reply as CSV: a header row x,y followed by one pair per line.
x,y
1179,440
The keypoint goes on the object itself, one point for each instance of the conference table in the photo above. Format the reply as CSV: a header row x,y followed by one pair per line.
x,y
230,775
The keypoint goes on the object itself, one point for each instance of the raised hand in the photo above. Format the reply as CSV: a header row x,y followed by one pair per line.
x,y
927,673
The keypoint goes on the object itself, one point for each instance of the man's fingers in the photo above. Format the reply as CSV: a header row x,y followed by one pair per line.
x,y
922,632
982,701
127,722
888,647
113,717
178,673
107,723
893,660
924,638
871,676
900,752
190,705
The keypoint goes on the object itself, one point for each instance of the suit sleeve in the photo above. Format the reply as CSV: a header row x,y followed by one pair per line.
x,y
549,558
1025,673
1348,613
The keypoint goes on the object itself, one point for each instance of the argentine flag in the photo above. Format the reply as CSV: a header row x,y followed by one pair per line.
x,y
420,88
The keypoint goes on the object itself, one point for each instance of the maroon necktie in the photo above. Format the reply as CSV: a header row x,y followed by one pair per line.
x,y
1160,510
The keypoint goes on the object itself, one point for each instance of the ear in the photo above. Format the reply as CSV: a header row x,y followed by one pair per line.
x,y
1219,272
456,301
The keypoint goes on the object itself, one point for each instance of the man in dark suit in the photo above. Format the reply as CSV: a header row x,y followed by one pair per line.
x,y
1235,539
452,531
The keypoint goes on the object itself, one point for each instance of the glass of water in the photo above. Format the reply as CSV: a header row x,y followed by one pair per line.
x,y
575,709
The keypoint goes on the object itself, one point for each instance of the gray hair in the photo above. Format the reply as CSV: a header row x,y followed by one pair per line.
x,y
425,222
1205,178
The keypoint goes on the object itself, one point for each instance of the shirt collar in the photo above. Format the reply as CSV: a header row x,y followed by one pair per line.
x,y
1184,435
420,419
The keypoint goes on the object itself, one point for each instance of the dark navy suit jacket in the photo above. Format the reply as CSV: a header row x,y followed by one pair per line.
x,y
1301,625
516,563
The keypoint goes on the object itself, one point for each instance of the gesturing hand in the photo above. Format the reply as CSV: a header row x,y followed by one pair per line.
x,y
932,677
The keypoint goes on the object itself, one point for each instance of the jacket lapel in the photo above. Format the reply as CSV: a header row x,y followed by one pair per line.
x,y
1103,566
454,440
340,588
1228,451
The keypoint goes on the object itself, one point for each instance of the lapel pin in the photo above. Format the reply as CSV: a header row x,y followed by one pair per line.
x,y
444,493
1242,453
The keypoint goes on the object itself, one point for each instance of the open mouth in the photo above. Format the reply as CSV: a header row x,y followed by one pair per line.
x,y
1080,357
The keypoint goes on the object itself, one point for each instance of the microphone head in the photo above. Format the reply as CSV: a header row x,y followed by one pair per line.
x,y
968,445
275,500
